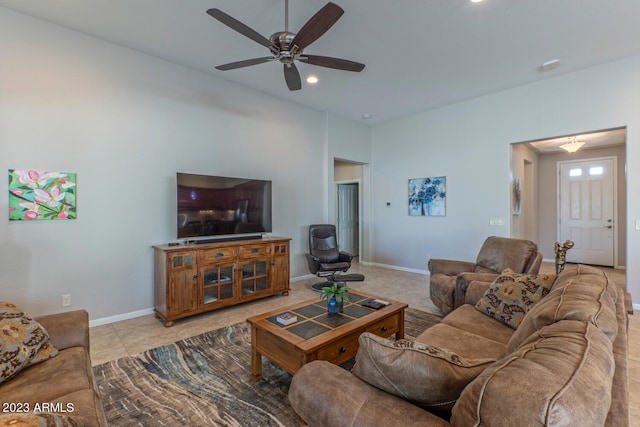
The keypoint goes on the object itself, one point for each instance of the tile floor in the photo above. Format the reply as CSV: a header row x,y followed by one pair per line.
x,y
129,337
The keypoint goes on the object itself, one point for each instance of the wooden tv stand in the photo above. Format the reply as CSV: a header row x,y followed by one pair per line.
x,y
196,278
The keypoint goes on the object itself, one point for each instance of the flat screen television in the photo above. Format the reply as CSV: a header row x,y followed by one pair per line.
x,y
210,206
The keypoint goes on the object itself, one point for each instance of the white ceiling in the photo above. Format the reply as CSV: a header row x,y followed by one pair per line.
x,y
419,54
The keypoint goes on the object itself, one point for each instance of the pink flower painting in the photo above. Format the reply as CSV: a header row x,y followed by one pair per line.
x,y
37,195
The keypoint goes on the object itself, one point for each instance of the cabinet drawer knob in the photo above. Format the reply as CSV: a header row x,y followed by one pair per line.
x,y
343,350
219,254
384,329
254,251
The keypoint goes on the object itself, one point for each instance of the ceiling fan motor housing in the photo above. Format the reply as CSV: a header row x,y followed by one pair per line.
x,y
283,49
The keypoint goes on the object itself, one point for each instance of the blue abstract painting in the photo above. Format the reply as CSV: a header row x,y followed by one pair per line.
x,y
427,196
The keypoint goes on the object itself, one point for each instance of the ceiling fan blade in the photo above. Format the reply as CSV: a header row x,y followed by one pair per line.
x,y
245,63
292,77
317,25
328,62
234,24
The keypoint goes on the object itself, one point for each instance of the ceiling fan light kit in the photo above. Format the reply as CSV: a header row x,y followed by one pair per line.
x,y
288,47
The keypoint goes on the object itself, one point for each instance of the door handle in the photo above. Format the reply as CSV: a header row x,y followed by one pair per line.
x,y
608,226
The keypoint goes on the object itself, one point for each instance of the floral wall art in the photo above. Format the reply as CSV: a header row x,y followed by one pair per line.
x,y
37,195
427,196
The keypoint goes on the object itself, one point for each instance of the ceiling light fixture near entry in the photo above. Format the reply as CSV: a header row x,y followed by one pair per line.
x,y
573,145
312,80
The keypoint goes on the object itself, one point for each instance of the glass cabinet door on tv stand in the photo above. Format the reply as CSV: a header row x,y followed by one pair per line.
x,y
218,283
254,277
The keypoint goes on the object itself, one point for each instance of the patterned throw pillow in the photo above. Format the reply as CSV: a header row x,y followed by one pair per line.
x,y
512,295
23,341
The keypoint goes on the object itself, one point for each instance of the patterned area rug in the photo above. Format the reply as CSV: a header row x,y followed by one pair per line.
x,y
204,381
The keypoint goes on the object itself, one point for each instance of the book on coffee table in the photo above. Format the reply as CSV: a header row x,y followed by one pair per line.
x,y
287,318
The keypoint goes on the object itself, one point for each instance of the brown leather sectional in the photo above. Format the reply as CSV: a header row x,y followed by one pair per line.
x,y
565,364
63,384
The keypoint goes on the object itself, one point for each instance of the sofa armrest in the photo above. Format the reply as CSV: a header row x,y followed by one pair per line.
x,y
471,286
69,329
449,267
324,394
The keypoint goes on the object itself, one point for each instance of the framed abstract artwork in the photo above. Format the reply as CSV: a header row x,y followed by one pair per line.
x,y
427,196
41,195
516,196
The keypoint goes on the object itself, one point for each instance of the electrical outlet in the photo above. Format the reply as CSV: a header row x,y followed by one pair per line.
x,y
66,300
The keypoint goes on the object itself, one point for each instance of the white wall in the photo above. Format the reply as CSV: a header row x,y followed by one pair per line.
x,y
469,144
524,165
126,123
351,141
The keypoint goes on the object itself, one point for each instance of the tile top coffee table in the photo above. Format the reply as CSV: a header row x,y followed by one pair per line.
x,y
317,335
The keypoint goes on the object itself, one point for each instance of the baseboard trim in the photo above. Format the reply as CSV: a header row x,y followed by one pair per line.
x,y
146,311
120,317
395,267
617,267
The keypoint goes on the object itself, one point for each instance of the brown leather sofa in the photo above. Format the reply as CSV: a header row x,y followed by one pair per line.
x,y
565,364
65,382
496,254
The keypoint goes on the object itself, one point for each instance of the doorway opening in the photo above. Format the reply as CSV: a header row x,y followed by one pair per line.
x,y
535,165
350,181
348,217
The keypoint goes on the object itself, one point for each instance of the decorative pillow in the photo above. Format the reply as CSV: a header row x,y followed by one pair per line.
x,y
423,374
42,420
512,295
23,341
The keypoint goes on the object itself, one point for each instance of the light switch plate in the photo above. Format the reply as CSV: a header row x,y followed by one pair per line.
x,y
496,221
637,224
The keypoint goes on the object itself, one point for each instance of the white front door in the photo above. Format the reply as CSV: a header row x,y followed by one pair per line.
x,y
348,218
587,196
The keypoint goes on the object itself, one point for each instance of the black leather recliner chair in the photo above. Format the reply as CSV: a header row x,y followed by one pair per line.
x,y
325,259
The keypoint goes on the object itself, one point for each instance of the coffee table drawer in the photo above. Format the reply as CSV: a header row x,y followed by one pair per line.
x,y
340,351
385,327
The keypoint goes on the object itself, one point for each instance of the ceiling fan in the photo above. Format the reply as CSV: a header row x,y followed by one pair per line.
x,y
289,47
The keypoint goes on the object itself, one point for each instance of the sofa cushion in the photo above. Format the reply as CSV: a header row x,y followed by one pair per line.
x,y
512,295
426,375
470,320
42,420
580,293
23,341
48,381
561,375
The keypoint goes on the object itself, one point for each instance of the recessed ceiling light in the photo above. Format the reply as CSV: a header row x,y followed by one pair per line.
x,y
312,80
550,65
476,1
366,116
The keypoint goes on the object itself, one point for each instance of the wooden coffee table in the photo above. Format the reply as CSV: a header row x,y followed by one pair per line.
x,y
317,335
